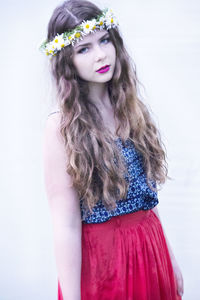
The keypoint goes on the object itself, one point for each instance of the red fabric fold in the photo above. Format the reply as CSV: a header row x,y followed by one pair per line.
x,y
126,258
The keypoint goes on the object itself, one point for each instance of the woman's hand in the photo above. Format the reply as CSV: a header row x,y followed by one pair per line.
x,y
178,277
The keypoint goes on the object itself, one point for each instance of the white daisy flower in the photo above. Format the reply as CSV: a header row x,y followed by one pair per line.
x,y
59,42
78,35
101,22
111,21
71,38
109,12
66,42
88,26
51,47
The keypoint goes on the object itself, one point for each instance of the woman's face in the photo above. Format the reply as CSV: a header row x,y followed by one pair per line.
x,y
93,52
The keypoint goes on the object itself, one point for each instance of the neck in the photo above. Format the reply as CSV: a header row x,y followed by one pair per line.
x,y
98,92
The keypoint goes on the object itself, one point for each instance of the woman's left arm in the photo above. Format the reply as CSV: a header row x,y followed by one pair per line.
x,y
177,271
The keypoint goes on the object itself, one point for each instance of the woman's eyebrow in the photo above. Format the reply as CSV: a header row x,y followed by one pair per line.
x,y
86,44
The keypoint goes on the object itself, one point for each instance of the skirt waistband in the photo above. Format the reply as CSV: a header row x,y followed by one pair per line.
x,y
122,221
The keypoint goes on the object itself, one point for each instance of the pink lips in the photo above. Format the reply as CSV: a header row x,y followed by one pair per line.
x,y
104,69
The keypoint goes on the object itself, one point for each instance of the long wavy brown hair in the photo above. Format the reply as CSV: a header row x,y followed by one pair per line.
x,y
95,163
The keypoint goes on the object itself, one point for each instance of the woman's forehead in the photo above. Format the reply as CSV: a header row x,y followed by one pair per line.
x,y
92,36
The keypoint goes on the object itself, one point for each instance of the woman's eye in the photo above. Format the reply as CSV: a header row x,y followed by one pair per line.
x,y
82,50
106,39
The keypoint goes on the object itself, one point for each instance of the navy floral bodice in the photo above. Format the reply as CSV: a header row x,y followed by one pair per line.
x,y
139,195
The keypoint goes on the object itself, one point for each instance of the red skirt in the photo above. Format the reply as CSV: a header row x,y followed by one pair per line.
x,y
126,258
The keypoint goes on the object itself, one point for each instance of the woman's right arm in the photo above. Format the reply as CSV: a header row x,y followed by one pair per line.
x,y
65,211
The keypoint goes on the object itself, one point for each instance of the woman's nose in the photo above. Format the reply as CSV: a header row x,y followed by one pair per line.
x,y
99,53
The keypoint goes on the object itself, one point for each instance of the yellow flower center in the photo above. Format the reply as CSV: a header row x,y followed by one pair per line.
x,y
94,27
87,26
77,34
69,37
111,20
62,45
50,51
56,40
101,23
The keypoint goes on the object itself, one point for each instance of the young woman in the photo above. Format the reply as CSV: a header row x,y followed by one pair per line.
x,y
103,162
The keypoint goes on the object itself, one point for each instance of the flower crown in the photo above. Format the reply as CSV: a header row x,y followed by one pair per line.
x,y
105,20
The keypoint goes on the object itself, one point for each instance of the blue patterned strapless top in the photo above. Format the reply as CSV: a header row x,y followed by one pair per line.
x,y
139,195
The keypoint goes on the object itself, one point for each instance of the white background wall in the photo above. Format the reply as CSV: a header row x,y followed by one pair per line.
x,y
163,38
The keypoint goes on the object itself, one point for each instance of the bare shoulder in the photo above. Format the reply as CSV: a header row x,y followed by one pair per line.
x,y
54,113
52,126
55,156
53,119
